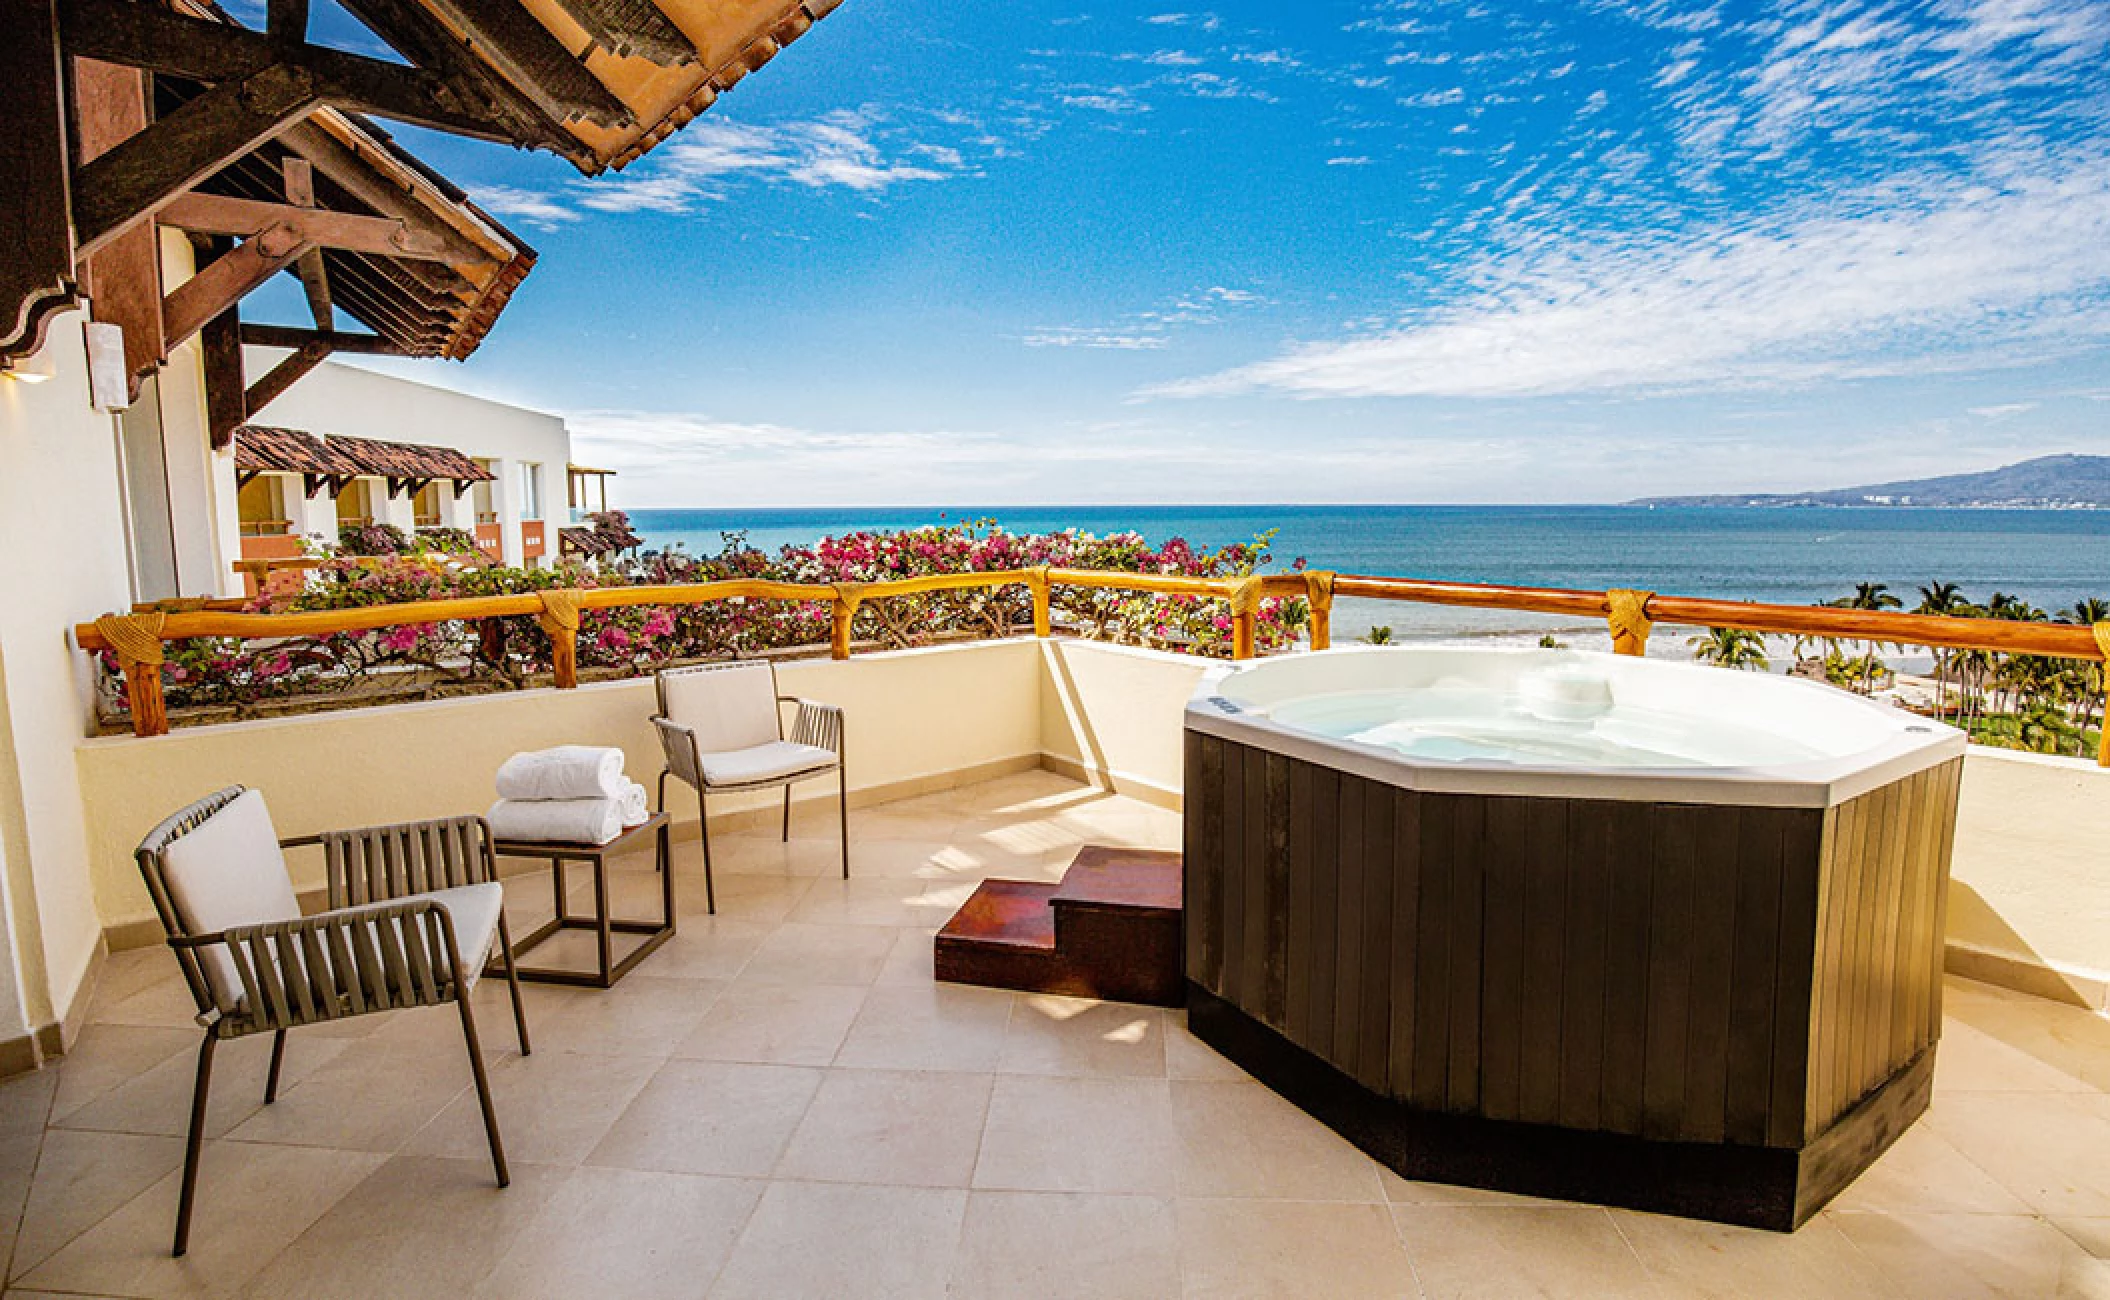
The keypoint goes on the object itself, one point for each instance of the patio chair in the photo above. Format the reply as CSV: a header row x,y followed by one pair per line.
x,y
722,728
414,910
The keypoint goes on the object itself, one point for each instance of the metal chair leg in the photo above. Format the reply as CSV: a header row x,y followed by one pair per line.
x,y
787,812
278,1058
196,1147
703,832
505,945
842,812
483,1084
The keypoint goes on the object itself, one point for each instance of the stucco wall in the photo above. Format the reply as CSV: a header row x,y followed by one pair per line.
x,y
912,716
63,521
1111,714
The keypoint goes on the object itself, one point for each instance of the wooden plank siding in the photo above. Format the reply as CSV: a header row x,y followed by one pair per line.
x,y
1670,972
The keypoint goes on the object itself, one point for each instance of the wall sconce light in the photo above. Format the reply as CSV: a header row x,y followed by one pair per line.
x,y
32,369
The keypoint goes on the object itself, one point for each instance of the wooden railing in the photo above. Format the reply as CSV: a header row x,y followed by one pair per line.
x,y
137,638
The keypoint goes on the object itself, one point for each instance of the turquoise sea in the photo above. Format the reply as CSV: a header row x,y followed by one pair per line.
x,y
1796,556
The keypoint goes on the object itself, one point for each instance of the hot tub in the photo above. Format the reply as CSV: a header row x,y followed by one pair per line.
x,y
1586,926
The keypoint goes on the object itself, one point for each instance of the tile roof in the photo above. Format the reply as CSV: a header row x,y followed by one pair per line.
x,y
293,451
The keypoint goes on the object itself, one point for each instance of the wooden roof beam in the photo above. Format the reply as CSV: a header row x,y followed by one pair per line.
x,y
632,28
299,176
219,214
532,59
285,374
222,283
356,177
285,336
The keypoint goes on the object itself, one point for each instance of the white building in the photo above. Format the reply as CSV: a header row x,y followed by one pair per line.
x,y
513,514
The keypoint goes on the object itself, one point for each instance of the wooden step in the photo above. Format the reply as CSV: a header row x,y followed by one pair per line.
x,y
1110,930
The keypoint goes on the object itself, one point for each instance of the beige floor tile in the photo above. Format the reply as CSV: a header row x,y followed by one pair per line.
x,y
107,1056
710,1117
1500,1252
742,896
902,863
2050,1149
932,1027
2093,1235
417,1226
797,953
707,948
253,1200
370,1097
2073,1042
871,900
159,1101
82,1179
644,1015
1713,1261
620,1232
782,1024
164,1002
909,961
1078,1135
1188,1057
1078,1036
1405,1191
1924,1172
1288,1250
1240,1140
18,1164
1968,1256
802,859
826,1241
553,1108
1066,1247
1972,1060
907,1128
25,1101
133,971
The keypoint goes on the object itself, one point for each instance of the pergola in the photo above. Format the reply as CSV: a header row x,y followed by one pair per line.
x,y
128,115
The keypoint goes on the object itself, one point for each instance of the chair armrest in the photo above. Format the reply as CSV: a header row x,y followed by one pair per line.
x,y
344,962
371,864
816,724
683,755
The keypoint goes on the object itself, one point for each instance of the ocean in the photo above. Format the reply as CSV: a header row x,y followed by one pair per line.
x,y
2051,558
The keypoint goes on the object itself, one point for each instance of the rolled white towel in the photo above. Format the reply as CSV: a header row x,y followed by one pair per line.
x,y
637,806
566,772
557,821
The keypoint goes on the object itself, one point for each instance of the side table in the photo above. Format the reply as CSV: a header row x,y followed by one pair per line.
x,y
604,925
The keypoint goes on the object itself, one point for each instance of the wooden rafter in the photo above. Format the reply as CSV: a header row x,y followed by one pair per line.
x,y
356,177
218,214
299,176
532,59
220,357
285,336
632,28
220,285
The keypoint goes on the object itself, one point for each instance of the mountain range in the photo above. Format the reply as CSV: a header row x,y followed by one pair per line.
x,y
2070,482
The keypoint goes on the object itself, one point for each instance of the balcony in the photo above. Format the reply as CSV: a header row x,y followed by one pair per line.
x,y
780,1102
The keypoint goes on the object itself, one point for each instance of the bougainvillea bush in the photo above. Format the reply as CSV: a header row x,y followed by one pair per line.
x,y
451,657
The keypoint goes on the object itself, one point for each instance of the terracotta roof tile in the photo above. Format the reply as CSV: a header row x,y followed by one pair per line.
x,y
293,451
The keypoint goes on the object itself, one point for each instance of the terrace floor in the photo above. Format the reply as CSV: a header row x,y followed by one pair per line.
x,y
781,1103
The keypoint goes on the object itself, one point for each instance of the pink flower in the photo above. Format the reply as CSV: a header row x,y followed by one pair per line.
x,y
397,640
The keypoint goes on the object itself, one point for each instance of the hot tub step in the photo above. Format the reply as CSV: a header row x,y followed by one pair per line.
x,y
1110,930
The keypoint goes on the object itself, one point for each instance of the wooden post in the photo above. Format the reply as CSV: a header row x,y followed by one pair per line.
x,y
1245,609
848,595
1318,592
1626,612
1037,583
137,640
560,618
2102,739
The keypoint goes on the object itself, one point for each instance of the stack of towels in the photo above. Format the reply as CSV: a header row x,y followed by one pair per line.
x,y
573,794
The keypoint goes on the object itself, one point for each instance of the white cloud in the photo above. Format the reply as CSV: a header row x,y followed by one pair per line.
x,y
1920,277
1077,337
1151,328
529,206
1354,160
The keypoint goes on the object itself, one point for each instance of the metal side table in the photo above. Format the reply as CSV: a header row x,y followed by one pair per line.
x,y
604,926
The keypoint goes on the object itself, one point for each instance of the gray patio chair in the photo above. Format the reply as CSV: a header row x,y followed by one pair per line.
x,y
414,910
722,728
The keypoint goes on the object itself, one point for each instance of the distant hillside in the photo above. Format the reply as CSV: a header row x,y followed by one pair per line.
x,y
2046,483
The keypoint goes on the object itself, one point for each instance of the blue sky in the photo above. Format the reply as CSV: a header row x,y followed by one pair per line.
x,y
1479,251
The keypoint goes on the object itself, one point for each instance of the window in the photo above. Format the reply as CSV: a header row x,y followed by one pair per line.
x,y
150,527
355,505
425,507
483,498
530,490
262,504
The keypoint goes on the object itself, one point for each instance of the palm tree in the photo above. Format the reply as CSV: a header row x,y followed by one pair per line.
x,y
1729,647
1869,595
2088,673
1946,600
1379,635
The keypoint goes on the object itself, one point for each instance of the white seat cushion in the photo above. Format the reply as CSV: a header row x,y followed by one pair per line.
x,y
227,872
474,909
728,708
777,759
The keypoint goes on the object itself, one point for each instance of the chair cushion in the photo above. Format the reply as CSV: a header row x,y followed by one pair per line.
x,y
728,708
225,872
777,759
474,909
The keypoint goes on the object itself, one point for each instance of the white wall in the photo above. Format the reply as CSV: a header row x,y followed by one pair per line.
x,y
338,398
61,522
